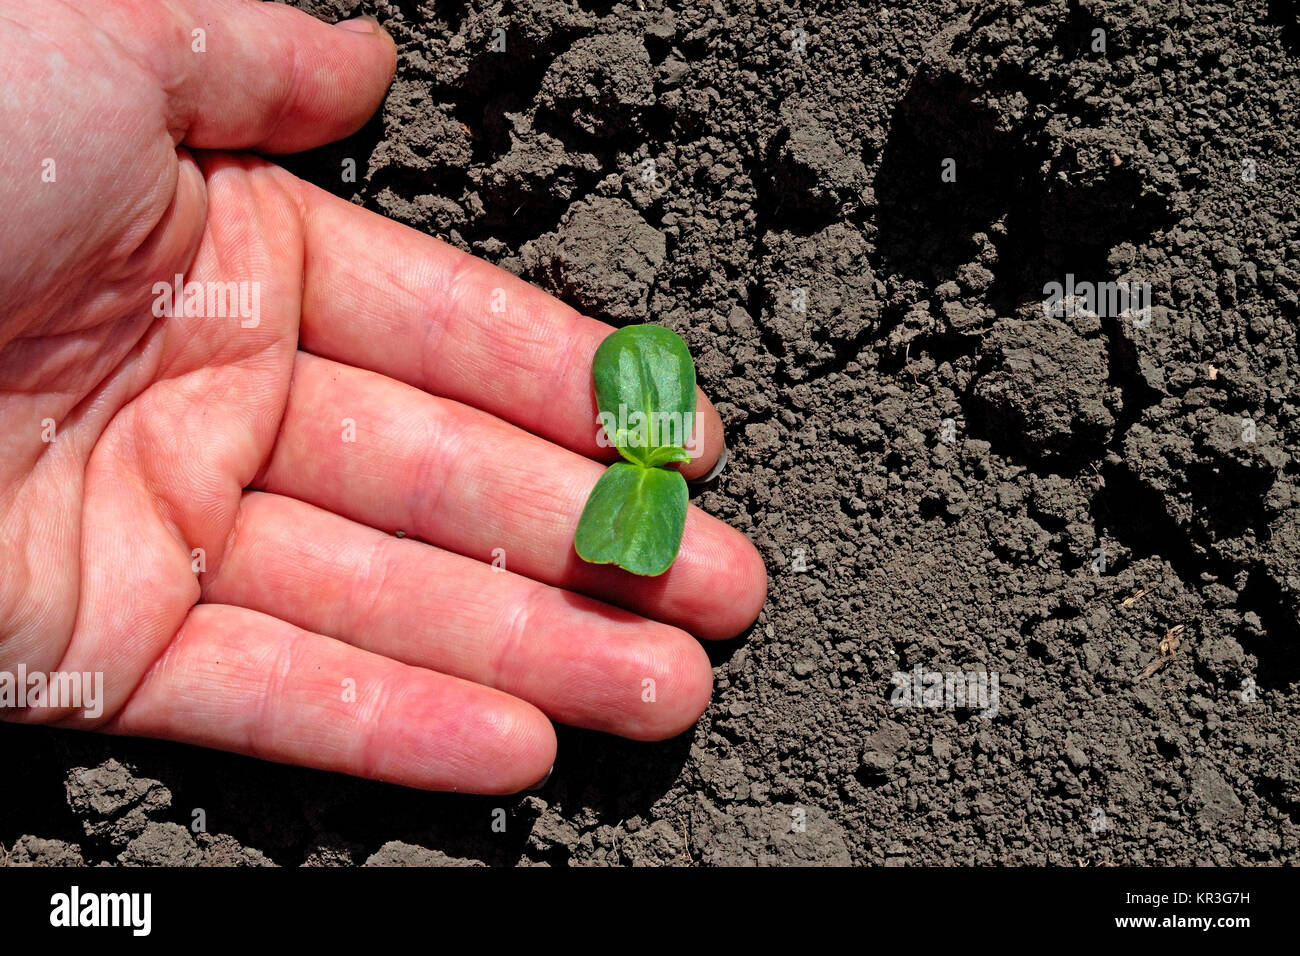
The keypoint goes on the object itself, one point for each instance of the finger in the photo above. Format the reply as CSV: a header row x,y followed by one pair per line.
x,y
242,74
580,661
384,297
237,680
392,457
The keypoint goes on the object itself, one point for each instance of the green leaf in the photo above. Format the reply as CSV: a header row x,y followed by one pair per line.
x,y
634,518
645,390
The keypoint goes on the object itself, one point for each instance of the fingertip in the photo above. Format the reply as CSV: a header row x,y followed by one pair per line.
x,y
712,440
750,587
525,745
694,684
738,588
675,687
448,734
370,30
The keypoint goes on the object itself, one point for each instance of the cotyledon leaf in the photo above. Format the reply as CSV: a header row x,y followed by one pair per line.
x,y
645,383
634,518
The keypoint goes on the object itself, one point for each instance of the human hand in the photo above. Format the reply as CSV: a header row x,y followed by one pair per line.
x,y
201,508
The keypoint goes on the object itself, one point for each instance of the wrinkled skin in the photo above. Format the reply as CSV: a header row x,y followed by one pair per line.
x,y
211,525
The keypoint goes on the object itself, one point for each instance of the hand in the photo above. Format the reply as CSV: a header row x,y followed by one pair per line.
x,y
202,508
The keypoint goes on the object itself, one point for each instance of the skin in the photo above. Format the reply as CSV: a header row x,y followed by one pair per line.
x,y
474,431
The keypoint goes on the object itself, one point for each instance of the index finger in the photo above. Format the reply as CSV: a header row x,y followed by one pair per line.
x,y
382,296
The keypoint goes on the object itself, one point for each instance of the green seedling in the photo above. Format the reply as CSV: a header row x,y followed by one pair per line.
x,y
645,390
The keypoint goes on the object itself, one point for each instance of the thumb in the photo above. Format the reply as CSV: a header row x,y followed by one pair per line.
x,y
242,74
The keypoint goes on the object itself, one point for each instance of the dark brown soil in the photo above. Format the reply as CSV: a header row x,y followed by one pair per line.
x,y
967,545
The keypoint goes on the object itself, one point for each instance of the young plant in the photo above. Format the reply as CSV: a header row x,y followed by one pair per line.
x,y
645,390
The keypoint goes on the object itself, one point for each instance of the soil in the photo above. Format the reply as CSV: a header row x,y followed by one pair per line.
x,y
940,458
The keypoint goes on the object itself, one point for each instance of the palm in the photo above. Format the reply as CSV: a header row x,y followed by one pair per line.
x,y
210,527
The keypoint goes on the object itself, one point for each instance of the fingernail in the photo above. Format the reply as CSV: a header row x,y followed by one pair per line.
x,y
541,783
716,469
363,24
